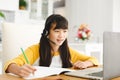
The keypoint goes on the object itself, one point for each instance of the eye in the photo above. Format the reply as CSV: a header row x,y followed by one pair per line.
x,y
57,30
65,31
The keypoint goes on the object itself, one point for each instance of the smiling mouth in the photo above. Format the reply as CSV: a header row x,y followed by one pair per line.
x,y
60,40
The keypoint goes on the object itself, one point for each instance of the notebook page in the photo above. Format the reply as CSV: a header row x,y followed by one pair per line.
x,y
46,71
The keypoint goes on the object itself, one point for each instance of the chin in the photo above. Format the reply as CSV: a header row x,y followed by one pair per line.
x,y
59,44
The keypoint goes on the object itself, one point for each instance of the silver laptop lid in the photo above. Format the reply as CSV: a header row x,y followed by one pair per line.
x,y
111,55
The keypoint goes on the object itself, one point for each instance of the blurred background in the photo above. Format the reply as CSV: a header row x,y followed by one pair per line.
x,y
99,15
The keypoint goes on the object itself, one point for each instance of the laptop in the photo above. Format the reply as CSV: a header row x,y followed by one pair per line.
x,y
111,60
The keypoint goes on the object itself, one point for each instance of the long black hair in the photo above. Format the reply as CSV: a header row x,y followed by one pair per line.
x,y
45,48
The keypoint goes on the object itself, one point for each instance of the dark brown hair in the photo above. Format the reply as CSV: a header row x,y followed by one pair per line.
x,y
45,48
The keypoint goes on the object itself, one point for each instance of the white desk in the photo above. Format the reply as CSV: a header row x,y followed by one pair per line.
x,y
91,49
95,49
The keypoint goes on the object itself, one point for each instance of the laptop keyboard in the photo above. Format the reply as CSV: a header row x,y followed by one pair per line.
x,y
97,74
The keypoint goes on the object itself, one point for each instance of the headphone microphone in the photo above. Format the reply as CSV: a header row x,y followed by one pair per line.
x,y
45,33
51,41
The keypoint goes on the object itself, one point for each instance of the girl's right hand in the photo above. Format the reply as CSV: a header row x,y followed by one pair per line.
x,y
26,70
22,71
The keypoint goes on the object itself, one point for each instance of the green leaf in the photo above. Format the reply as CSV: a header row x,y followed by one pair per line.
x,y
22,3
2,15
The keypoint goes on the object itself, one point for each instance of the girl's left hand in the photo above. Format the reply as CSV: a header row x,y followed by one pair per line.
x,y
82,65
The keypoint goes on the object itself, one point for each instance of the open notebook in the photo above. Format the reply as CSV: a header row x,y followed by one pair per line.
x,y
46,71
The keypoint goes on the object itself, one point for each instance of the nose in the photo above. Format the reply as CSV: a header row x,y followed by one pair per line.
x,y
61,34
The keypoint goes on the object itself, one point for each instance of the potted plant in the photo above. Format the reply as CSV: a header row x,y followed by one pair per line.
x,y
22,4
2,15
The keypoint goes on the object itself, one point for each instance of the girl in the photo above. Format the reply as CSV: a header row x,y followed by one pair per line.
x,y
52,51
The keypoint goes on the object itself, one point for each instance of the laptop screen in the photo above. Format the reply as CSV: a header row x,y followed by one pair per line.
x,y
111,55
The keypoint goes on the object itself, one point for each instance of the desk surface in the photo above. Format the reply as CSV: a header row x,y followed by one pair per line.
x,y
59,77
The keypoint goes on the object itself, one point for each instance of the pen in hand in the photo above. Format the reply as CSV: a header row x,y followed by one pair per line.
x,y
26,58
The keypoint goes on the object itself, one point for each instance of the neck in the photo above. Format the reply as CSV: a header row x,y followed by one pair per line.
x,y
54,47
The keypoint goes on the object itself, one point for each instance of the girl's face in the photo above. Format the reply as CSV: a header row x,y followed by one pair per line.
x,y
58,36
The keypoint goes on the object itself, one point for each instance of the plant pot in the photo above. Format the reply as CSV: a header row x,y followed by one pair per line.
x,y
22,7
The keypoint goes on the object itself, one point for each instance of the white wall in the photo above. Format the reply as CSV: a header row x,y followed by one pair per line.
x,y
98,14
9,5
116,16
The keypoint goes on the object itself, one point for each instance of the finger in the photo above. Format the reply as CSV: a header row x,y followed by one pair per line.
x,y
79,65
77,62
26,69
31,67
82,65
23,72
76,66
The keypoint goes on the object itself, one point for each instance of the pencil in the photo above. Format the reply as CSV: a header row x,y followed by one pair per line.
x,y
25,56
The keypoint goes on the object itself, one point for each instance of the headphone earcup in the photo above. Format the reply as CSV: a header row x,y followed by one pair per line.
x,y
45,32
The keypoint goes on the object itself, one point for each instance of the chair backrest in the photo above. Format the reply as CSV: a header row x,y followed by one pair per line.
x,y
15,36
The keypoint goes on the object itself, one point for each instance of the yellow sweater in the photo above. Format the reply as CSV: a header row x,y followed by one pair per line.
x,y
32,53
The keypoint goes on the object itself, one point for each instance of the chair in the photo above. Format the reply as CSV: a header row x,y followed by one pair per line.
x,y
15,36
